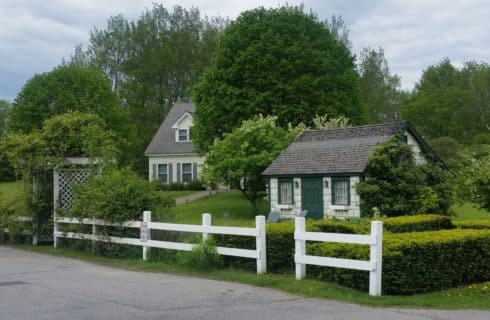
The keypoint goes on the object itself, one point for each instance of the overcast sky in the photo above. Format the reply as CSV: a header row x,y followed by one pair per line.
x,y
36,34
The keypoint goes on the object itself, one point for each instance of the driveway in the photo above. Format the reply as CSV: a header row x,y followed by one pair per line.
x,y
34,286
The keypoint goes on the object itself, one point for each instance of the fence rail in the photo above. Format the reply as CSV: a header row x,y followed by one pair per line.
x,y
147,225
373,265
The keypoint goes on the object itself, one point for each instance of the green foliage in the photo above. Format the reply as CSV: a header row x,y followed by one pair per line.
x,y
7,172
473,181
118,196
447,148
380,90
152,62
203,257
397,186
4,109
178,186
473,224
416,262
240,157
281,62
417,223
451,102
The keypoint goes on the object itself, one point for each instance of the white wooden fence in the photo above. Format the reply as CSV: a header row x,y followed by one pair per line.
x,y
374,240
147,225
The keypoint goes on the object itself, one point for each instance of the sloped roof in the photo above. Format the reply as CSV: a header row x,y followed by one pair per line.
x,y
335,151
163,141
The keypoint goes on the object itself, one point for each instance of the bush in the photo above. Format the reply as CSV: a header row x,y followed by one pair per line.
x,y
202,257
418,223
415,262
119,196
473,224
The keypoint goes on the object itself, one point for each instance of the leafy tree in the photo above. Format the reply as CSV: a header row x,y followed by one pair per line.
x,y
241,156
4,108
397,186
337,27
324,122
380,90
281,62
473,183
451,102
152,62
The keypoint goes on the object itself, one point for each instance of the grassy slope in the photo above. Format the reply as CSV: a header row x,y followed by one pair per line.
x,y
227,208
468,297
178,194
469,211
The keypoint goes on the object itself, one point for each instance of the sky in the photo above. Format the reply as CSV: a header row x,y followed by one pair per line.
x,y
36,35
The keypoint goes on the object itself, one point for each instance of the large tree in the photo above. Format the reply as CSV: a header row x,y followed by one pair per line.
x,y
380,90
152,61
281,62
4,108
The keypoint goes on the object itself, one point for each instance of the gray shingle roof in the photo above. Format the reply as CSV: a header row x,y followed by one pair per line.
x,y
163,141
334,151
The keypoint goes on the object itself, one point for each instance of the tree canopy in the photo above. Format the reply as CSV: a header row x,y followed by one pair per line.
x,y
4,109
281,62
397,186
240,157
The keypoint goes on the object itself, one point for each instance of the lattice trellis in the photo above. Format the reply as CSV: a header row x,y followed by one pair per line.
x,y
64,185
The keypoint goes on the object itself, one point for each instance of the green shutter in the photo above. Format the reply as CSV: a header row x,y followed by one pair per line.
x,y
194,171
170,173
178,173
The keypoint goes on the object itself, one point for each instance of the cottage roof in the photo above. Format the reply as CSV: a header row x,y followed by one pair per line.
x,y
337,151
164,140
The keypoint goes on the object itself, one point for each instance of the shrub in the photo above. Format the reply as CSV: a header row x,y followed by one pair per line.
x,y
418,223
416,262
473,224
178,186
202,257
118,196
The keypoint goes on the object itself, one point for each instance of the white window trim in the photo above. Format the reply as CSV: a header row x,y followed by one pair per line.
x,y
182,171
177,135
158,174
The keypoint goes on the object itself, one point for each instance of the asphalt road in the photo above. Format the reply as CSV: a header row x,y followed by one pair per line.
x,y
34,286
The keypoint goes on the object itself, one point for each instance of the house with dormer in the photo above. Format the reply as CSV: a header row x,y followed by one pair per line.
x,y
171,154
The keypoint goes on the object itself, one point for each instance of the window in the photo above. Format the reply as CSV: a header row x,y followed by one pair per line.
x,y
186,172
286,191
162,172
340,191
183,135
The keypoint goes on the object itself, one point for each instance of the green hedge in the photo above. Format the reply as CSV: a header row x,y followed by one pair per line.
x,y
473,224
417,223
415,262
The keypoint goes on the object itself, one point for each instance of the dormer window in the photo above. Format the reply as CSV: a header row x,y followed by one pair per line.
x,y
183,135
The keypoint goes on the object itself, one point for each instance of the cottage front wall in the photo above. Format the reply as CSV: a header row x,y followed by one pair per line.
x,y
292,210
174,160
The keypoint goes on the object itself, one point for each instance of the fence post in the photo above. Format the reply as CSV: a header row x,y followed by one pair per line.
x,y
147,219
260,244
299,247
376,257
206,222
56,194
94,234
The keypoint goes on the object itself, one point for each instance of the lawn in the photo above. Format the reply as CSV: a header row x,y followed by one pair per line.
x,y
476,296
9,190
229,208
178,194
469,211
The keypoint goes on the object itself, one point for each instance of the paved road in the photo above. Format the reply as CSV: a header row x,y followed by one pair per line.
x,y
34,286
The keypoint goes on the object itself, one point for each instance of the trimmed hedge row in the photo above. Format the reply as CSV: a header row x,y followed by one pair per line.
x,y
415,262
473,224
417,223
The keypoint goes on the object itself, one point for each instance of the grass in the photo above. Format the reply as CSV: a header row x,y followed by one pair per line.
x,y
469,211
475,296
227,208
9,190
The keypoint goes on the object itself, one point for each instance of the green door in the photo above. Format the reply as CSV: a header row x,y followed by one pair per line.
x,y
312,197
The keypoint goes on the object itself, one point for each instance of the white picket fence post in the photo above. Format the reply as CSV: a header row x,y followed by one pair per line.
x,y
260,243
147,220
373,265
300,247
376,256
206,222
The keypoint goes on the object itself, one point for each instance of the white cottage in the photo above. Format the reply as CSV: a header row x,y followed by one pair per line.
x,y
171,155
319,170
